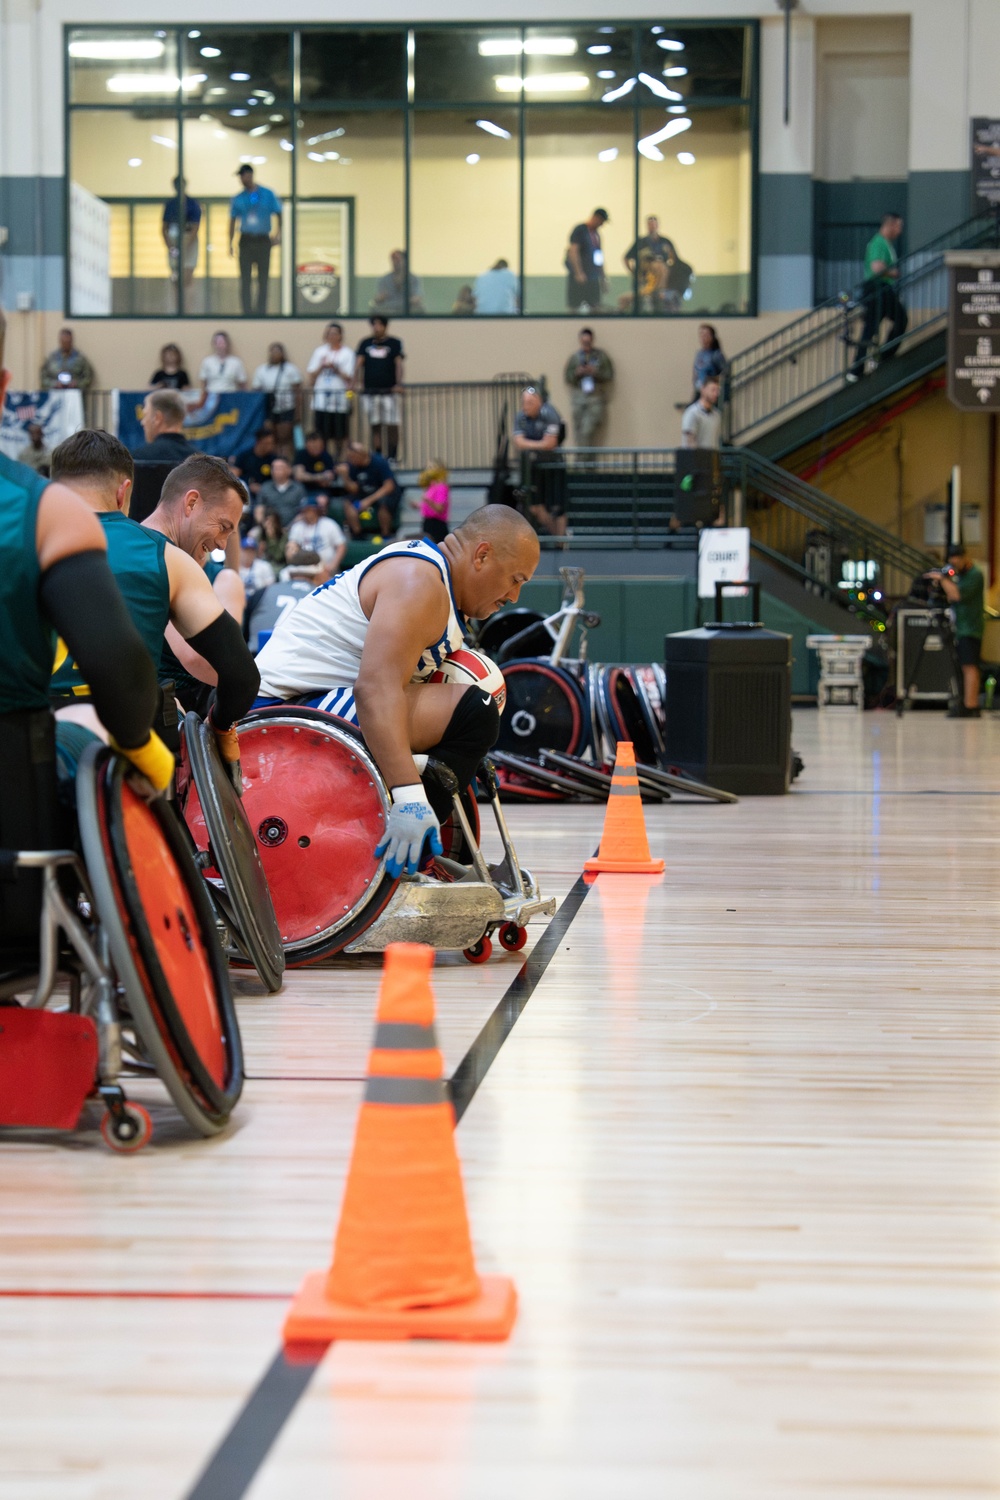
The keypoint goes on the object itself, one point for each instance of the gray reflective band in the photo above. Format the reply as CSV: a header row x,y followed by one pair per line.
x,y
383,1090
624,791
405,1036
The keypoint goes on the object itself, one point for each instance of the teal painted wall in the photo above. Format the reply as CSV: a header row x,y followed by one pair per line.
x,y
636,614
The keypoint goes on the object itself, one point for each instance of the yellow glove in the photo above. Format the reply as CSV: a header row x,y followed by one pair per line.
x,y
153,760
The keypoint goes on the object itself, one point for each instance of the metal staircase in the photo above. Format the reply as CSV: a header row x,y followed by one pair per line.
x,y
803,365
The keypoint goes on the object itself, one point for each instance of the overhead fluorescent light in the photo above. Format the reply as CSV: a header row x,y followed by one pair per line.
x,y
544,83
210,51
331,155
164,140
110,51
491,129
239,77
649,145
686,158
607,73
286,145
600,51
260,130
238,113
611,154
676,109
328,135
659,89
619,92
276,119
151,83
316,156
669,44
135,161
193,35
548,46
472,158
677,72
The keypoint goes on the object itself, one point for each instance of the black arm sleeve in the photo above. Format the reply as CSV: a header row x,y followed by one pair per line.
x,y
81,598
223,647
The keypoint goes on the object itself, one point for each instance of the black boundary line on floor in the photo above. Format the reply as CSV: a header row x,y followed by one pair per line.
x,y
234,1465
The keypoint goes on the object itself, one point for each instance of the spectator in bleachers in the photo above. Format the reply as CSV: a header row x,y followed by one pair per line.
x,y
281,493
537,434
171,376
390,292
701,426
253,465
651,255
709,360
373,496
379,376
271,539
280,381
588,373
181,247
314,469
222,371
34,453
435,502
311,532
163,414
66,369
496,291
330,376
465,303
255,570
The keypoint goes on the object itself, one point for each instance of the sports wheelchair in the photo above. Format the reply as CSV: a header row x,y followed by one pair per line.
x,y
125,923
317,805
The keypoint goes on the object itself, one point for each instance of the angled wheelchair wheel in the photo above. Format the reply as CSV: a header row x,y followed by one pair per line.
x,y
155,909
545,710
628,716
317,806
219,825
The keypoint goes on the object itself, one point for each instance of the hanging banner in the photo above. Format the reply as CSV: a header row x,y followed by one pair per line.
x,y
58,414
222,424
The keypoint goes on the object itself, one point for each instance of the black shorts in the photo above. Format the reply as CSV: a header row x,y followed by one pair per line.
x,y
969,647
332,424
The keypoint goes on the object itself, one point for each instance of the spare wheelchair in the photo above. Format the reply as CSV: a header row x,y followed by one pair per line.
x,y
318,805
124,930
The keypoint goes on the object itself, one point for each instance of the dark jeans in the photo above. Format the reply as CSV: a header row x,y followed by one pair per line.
x,y
255,250
580,292
881,301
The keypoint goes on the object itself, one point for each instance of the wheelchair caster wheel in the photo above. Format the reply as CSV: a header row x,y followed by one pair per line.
x,y
479,952
512,938
127,1130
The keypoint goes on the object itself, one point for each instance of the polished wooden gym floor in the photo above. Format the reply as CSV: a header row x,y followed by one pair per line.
x,y
740,1153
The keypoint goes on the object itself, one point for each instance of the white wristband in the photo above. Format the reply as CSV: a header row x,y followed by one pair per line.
x,y
412,793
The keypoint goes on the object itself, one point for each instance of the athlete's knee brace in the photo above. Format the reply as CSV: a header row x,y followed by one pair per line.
x,y
472,731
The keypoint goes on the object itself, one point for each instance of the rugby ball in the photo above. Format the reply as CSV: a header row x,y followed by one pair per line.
x,y
477,670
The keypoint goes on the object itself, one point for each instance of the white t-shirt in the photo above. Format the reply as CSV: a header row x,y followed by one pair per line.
x,y
334,371
704,426
222,375
317,646
324,537
280,381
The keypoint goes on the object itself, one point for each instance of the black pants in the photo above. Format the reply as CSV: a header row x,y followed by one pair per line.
x,y
255,250
881,301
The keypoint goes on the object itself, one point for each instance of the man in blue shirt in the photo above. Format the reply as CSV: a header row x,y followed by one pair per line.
x,y
373,496
253,210
182,245
496,291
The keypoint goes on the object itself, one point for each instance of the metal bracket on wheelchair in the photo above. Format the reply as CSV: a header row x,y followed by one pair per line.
x,y
572,585
519,888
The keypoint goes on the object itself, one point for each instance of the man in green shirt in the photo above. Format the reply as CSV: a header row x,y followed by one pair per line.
x,y
881,297
963,585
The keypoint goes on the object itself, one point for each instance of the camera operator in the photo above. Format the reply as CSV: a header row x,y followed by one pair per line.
x,y
963,586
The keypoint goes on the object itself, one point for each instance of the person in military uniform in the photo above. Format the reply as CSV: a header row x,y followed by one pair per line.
x,y
55,582
163,583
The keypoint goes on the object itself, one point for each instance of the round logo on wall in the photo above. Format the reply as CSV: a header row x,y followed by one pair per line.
x,y
317,282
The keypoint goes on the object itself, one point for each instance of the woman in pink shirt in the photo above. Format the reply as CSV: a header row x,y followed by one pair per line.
x,y
436,501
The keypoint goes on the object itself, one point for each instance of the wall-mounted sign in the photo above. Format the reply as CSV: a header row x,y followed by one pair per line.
x,y
974,329
985,164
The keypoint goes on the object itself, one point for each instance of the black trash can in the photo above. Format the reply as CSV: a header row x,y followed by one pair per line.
x,y
729,707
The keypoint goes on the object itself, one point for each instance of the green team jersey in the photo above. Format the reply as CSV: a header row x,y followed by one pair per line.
x,y
170,669
28,638
970,613
137,558
879,248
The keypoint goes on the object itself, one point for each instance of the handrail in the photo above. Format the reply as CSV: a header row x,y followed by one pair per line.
x,y
813,352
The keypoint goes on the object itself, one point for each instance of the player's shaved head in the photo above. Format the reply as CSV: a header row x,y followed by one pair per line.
x,y
504,528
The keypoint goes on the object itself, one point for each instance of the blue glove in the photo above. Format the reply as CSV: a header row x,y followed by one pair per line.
x,y
411,821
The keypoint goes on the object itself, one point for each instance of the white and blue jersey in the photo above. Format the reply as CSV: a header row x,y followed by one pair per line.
x,y
315,650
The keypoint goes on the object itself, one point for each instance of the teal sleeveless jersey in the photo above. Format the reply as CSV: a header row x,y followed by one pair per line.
x,y
136,556
170,668
28,638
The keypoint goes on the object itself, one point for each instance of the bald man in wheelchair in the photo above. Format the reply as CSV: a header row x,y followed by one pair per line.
x,y
364,644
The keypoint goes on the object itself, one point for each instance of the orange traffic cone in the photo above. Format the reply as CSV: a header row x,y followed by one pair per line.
x,y
402,1259
624,846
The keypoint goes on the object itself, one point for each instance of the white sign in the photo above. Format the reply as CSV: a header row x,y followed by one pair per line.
x,y
90,253
723,557
58,414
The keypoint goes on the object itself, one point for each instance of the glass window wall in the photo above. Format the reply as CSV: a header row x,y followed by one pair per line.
x,y
437,171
